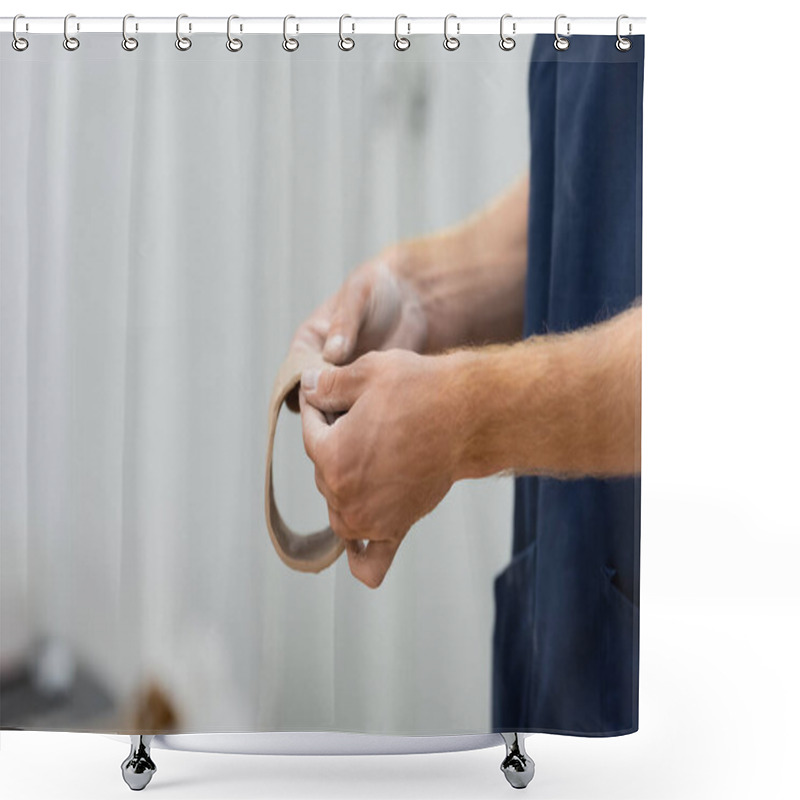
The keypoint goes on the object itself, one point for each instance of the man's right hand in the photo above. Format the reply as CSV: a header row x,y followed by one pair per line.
x,y
375,309
462,284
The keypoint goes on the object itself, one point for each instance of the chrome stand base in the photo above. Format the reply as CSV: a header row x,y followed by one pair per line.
x,y
517,766
138,768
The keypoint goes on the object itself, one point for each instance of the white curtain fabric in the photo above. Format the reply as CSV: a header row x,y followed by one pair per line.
x,y
168,219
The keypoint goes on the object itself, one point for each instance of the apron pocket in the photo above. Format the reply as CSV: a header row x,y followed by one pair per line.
x,y
621,659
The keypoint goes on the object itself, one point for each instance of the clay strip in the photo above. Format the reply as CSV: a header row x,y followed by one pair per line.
x,y
304,552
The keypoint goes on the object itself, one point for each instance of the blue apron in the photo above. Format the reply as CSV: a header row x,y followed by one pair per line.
x,y
566,634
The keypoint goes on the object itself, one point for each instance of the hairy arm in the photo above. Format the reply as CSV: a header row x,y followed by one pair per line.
x,y
566,405
470,277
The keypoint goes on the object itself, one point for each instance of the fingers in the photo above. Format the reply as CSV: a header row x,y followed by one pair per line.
x,y
369,560
315,428
333,389
313,333
324,392
310,336
346,320
340,528
370,563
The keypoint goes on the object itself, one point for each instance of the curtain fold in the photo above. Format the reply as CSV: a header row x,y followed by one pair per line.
x,y
169,219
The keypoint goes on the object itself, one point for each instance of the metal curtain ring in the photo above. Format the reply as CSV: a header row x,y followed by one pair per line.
x,y
560,42
346,42
507,42
290,44
233,44
129,43
400,42
70,42
622,44
17,42
181,42
451,42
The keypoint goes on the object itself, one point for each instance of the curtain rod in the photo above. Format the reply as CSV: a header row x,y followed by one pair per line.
x,y
302,25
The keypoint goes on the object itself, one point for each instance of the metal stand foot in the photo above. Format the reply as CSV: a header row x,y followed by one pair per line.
x,y
517,766
138,768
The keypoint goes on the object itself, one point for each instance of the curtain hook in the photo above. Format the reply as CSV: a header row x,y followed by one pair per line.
x,y
290,44
451,42
70,42
18,43
560,42
129,43
346,42
400,42
507,42
233,44
181,42
622,44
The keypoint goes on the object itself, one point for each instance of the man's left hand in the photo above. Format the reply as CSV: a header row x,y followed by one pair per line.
x,y
390,452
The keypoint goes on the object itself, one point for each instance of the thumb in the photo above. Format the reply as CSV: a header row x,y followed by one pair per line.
x,y
332,389
346,320
371,563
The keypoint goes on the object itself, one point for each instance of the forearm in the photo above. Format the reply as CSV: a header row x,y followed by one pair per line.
x,y
470,277
565,405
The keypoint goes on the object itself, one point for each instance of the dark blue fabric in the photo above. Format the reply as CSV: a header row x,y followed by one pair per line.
x,y
566,636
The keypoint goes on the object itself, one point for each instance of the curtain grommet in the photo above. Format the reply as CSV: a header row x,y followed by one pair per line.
x,y
346,43
507,42
183,43
561,43
19,43
622,44
129,43
401,43
289,44
70,43
451,42
233,44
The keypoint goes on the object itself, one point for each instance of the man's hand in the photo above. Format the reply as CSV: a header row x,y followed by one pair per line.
x,y
460,285
409,425
387,461
375,309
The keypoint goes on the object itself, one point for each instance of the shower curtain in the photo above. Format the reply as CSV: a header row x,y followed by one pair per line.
x,y
171,220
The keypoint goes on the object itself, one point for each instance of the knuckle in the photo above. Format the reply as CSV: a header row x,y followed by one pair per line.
x,y
364,291
352,517
358,283
361,515
337,526
335,478
323,489
326,381
367,361
322,457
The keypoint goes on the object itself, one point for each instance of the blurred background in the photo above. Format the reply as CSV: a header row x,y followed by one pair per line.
x,y
167,223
